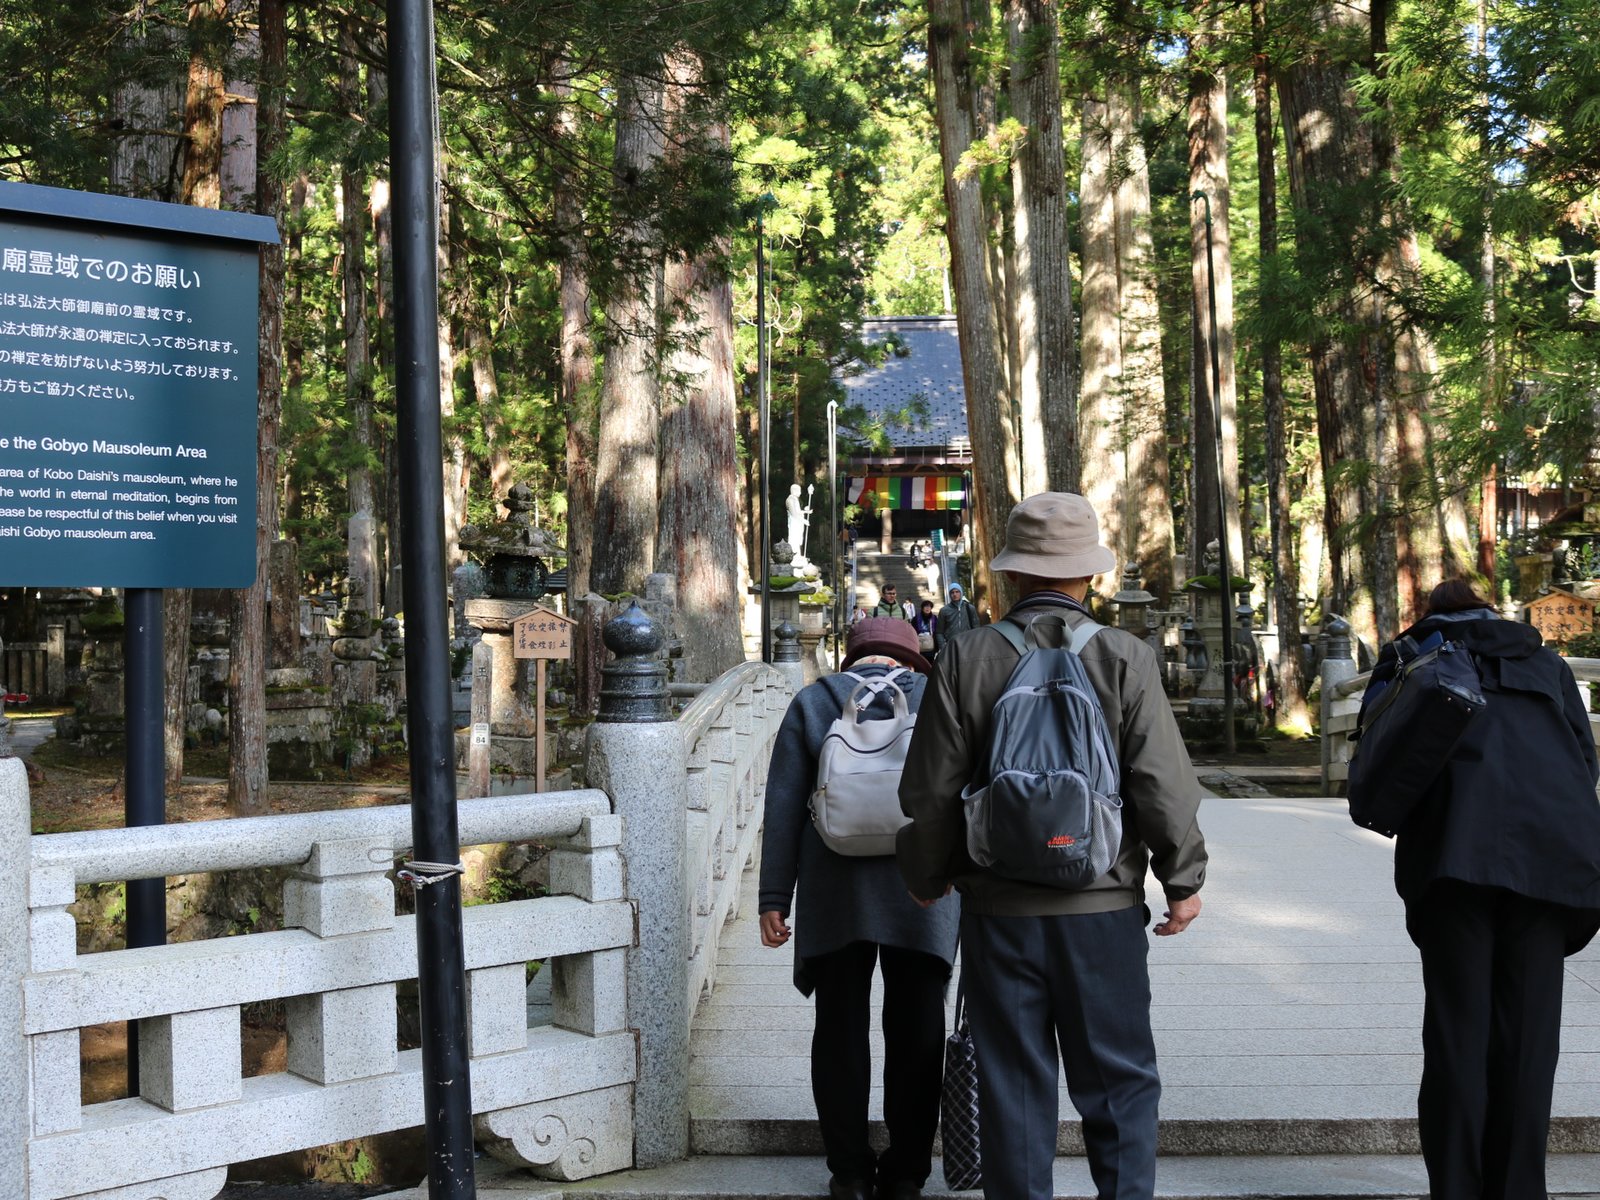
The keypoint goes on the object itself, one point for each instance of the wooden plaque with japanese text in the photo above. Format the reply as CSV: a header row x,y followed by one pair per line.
x,y
1561,616
542,633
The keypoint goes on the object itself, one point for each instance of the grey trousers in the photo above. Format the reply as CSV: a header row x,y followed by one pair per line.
x,y
1080,984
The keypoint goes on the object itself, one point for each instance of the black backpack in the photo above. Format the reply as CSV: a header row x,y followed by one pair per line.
x,y
1408,729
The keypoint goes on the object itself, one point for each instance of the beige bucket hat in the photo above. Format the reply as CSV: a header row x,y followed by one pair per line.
x,y
1054,535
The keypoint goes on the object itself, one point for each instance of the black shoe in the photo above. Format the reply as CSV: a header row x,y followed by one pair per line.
x,y
849,1189
899,1189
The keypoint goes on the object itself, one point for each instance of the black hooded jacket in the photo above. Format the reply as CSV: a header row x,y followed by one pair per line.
x,y
1515,806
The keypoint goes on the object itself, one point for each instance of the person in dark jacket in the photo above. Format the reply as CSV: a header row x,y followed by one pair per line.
x,y
1499,868
956,617
852,915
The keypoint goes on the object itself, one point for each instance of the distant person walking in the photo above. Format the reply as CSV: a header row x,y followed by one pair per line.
x,y
890,605
956,617
852,917
925,623
1499,868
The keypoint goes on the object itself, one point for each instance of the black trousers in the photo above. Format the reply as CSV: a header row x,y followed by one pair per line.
x,y
841,1058
1078,987
1492,964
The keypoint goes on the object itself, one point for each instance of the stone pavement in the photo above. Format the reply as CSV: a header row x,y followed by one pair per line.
x,y
1287,1017
1306,1177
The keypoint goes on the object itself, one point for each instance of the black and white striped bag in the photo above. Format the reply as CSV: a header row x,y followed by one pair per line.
x,y
958,1105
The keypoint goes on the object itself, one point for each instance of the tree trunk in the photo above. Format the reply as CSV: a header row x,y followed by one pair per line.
x,y
202,110
697,540
202,187
1208,174
626,470
1145,522
363,565
1291,709
457,470
247,658
1101,398
381,215
1330,157
486,391
982,362
1047,398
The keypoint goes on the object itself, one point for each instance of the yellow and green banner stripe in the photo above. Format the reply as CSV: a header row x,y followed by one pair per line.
x,y
906,491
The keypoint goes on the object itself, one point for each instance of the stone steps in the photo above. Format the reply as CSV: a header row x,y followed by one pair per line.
x,y
1300,1177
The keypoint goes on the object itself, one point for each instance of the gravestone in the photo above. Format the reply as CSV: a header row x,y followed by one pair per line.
x,y
283,573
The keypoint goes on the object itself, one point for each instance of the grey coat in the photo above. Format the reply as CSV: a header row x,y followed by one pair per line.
x,y
837,900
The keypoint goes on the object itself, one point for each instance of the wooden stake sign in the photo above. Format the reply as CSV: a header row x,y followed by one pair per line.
x,y
541,635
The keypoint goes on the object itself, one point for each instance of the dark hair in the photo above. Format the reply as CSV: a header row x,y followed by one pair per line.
x,y
1454,595
927,604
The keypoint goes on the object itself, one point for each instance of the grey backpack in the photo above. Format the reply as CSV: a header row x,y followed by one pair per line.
x,y
856,803
1047,810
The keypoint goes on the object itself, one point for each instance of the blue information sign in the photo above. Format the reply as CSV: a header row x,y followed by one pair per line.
x,y
127,392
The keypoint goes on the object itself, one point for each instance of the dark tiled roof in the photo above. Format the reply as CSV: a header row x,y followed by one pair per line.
x,y
930,372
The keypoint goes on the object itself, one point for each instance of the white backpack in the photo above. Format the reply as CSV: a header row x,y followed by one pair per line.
x,y
856,804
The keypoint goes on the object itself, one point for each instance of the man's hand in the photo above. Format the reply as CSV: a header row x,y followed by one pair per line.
x,y
1179,913
774,929
921,903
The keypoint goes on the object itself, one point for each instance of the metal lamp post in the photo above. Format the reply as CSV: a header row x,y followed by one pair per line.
x,y
833,515
764,425
436,872
1224,563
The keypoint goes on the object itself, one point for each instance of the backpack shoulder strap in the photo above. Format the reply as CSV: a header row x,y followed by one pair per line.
x,y
1083,634
1014,634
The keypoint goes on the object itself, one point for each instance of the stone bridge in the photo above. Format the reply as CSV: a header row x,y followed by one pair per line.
x,y
657,1028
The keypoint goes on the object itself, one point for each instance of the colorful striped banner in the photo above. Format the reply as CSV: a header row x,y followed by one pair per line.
x,y
906,491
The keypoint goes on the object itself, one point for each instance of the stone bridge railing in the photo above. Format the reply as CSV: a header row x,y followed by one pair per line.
x,y
644,870
553,1097
690,794
729,731
1342,689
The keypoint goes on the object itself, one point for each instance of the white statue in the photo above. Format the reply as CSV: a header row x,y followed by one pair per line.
x,y
798,521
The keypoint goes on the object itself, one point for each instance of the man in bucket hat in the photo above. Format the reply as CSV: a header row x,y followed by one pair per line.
x,y
1044,967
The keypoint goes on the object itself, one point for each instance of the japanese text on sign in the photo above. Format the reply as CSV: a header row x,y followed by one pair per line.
x,y
127,406
541,634
1561,616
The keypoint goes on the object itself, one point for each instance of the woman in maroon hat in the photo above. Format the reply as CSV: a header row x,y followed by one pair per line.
x,y
852,915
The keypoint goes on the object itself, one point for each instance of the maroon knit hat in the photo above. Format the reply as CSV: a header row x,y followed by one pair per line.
x,y
885,635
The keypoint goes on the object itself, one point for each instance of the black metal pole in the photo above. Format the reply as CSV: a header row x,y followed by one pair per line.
x,y
144,786
441,966
1224,558
833,515
764,406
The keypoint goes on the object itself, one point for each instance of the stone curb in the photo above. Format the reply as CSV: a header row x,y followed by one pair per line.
x,y
1288,1136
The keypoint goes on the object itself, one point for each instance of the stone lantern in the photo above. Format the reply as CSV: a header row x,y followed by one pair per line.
x,y
515,554
1133,603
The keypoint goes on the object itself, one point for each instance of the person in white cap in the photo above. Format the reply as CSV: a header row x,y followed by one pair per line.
x,y
1055,976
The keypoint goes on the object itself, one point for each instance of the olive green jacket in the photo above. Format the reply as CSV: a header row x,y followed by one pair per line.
x,y
1160,794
